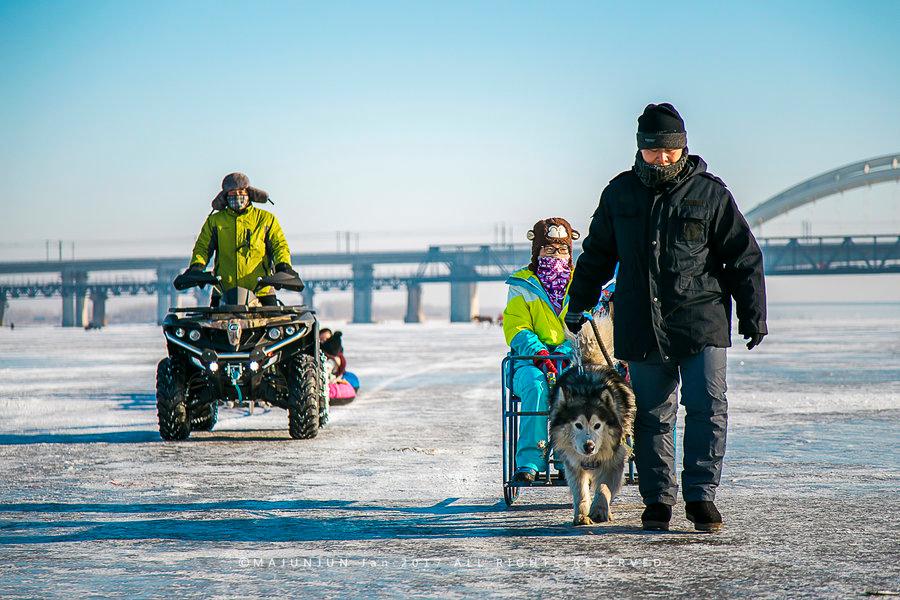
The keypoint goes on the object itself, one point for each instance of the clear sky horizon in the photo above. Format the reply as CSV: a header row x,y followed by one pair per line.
x,y
418,123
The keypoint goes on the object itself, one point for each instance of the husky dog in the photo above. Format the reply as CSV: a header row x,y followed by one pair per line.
x,y
591,411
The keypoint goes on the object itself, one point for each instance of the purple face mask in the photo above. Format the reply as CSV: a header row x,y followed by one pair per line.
x,y
553,273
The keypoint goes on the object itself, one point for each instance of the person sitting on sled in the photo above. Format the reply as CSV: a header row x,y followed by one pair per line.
x,y
533,325
342,384
248,242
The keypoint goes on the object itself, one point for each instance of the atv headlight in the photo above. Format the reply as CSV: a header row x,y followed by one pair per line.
x,y
194,335
274,333
179,333
213,367
290,330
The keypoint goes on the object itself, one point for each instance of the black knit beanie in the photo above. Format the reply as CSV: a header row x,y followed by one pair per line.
x,y
660,126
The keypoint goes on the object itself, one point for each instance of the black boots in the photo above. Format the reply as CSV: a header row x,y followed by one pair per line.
x,y
656,517
704,515
524,475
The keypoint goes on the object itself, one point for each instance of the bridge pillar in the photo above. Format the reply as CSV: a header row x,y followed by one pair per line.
x,y
80,296
68,299
414,313
166,294
309,297
98,308
4,303
362,292
463,294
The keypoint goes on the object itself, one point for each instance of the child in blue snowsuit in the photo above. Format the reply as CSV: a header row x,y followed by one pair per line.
x,y
533,325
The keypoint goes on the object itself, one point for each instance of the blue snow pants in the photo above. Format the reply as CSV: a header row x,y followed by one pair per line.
x,y
530,385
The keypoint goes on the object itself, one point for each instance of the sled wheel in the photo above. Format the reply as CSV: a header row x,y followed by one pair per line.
x,y
170,402
304,397
510,494
206,418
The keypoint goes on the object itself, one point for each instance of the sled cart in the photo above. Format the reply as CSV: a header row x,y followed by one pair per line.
x,y
511,412
240,352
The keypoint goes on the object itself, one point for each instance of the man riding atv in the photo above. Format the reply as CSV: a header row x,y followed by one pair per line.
x,y
248,242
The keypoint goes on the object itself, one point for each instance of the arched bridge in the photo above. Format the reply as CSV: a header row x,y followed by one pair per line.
x,y
859,174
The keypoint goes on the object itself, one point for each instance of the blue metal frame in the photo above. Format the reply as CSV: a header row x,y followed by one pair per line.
x,y
509,414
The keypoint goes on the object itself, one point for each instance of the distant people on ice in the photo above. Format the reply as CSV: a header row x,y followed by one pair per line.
x,y
248,242
684,251
533,325
342,384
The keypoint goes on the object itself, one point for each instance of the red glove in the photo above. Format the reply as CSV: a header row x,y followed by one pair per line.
x,y
545,364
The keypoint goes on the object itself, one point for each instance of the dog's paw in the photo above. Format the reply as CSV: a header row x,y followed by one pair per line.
x,y
583,520
601,516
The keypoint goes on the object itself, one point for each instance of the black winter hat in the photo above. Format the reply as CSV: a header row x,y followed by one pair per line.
x,y
660,126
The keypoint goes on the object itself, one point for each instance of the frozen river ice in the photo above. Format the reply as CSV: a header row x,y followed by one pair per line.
x,y
400,494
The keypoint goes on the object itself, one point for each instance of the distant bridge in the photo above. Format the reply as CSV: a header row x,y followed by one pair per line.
x,y
462,267
880,169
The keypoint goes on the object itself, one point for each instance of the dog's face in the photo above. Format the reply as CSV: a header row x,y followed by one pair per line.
x,y
586,433
587,424
585,415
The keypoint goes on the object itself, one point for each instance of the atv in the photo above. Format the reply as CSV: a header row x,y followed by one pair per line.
x,y
240,352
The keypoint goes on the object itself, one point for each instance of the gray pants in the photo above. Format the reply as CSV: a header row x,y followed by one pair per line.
x,y
706,418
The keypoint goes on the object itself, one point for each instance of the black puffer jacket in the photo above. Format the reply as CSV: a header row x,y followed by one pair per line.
x,y
685,250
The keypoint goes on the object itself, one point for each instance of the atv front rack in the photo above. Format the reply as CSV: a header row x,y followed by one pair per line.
x,y
232,309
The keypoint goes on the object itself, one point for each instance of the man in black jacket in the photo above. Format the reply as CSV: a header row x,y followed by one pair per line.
x,y
684,251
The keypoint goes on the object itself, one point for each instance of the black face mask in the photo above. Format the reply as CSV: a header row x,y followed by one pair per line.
x,y
654,176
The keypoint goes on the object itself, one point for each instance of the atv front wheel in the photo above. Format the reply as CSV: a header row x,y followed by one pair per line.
x,y
305,385
170,402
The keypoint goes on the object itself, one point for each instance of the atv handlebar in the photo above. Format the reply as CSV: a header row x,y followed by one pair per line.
x,y
280,281
202,278
195,279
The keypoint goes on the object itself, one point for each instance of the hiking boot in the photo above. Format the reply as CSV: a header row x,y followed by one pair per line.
x,y
524,475
704,515
656,517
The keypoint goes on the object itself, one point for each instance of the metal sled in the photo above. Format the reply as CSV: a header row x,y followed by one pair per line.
x,y
510,406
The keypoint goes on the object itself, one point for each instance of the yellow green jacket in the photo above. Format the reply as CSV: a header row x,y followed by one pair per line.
x,y
247,246
530,324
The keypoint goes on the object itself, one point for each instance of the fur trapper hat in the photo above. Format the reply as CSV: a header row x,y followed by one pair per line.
x,y
238,181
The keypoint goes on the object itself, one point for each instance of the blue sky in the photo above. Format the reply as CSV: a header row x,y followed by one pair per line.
x,y
420,122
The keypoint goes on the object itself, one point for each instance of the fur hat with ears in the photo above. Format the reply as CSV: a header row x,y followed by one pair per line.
x,y
238,181
554,230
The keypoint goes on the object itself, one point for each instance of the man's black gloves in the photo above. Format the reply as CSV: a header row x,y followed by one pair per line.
x,y
283,267
574,321
754,339
181,282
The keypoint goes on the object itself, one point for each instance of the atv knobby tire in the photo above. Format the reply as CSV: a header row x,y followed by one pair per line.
x,y
206,417
170,402
304,382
